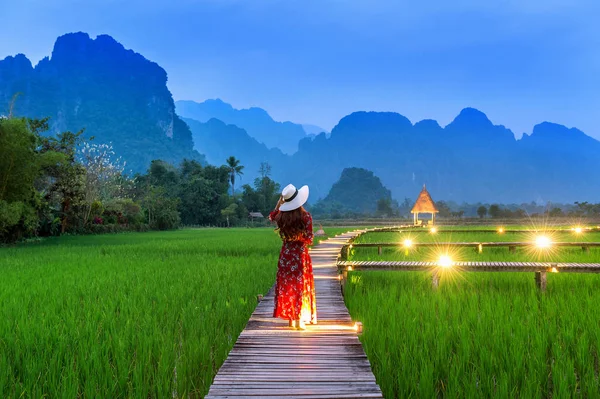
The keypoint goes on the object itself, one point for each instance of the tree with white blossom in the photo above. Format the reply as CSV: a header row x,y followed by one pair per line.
x,y
104,178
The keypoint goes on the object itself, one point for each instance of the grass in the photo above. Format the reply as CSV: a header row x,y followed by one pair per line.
x,y
143,315
480,334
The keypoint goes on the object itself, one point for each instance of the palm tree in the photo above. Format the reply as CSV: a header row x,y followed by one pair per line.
x,y
234,169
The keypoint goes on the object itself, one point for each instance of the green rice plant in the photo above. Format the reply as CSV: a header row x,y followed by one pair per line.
x,y
479,334
144,315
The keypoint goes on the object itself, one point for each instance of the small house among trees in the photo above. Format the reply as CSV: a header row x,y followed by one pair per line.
x,y
424,204
255,215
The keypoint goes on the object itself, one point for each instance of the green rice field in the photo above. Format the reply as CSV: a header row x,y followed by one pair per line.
x,y
479,334
142,315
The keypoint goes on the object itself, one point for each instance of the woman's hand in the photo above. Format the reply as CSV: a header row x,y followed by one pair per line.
x,y
279,202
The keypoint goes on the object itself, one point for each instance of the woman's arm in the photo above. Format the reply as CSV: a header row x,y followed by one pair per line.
x,y
275,211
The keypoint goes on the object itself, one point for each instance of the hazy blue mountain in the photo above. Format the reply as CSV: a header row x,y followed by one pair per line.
x,y
256,121
219,141
116,94
313,130
357,190
470,159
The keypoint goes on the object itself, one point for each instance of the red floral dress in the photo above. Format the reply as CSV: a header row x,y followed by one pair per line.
x,y
295,296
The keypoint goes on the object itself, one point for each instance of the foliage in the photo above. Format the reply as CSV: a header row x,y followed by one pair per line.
x,y
479,334
235,169
482,211
113,316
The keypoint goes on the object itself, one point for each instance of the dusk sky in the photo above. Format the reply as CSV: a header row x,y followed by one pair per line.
x,y
519,61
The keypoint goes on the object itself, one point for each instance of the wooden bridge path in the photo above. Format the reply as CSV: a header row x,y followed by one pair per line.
x,y
326,361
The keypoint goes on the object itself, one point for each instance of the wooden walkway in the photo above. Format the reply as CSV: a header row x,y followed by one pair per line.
x,y
326,361
538,267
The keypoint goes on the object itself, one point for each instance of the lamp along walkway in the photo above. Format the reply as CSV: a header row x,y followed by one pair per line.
x,y
326,360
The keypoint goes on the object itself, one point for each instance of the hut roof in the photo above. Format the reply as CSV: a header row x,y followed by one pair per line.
x,y
424,203
256,215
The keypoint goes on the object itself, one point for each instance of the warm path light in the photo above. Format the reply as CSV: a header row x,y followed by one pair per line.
x,y
445,261
578,230
433,230
408,243
500,230
358,327
542,242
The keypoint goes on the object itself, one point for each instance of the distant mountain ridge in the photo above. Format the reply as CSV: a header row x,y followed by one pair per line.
x,y
256,121
470,159
219,141
117,95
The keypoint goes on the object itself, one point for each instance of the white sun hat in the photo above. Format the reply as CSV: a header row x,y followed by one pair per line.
x,y
293,198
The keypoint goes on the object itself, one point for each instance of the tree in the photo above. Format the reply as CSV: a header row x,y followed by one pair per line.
x,y
384,207
265,169
104,174
495,211
67,176
556,212
482,211
443,208
235,169
22,164
230,211
161,209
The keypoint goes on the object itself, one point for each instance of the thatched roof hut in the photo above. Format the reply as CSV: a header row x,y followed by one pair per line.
x,y
424,204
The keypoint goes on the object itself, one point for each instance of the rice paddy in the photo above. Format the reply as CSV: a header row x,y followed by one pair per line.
x,y
142,315
479,334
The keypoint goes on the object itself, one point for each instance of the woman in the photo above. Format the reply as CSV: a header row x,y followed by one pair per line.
x,y
295,288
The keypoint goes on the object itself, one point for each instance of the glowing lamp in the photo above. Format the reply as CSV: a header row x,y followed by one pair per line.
x,y
408,243
445,261
349,268
500,230
433,230
578,230
554,270
358,327
542,242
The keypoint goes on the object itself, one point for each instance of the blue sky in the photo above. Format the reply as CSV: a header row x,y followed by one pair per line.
x,y
314,61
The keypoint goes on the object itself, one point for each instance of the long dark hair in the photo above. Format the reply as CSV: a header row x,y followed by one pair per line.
x,y
291,224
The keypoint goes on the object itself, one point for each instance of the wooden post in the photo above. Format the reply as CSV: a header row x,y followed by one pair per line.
x,y
585,249
344,252
344,279
540,281
435,280
512,249
379,250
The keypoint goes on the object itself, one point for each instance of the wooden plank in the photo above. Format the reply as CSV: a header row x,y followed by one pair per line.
x,y
326,361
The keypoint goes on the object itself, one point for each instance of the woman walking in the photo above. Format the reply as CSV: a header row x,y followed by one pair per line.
x,y
295,288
